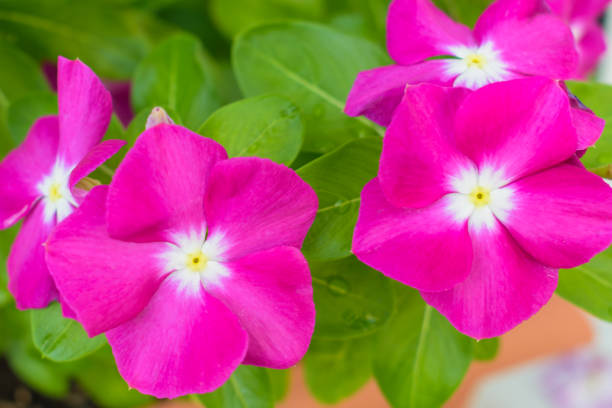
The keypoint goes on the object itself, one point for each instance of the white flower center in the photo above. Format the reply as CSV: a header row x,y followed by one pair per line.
x,y
194,260
476,66
57,198
479,197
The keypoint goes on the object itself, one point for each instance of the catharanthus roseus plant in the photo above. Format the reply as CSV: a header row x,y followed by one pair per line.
x,y
38,180
479,200
193,262
189,262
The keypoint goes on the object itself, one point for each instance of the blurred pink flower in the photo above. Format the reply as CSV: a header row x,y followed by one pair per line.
x,y
582,17
190,263
479,200
38,179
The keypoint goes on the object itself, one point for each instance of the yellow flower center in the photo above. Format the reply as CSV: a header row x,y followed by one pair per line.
x,y
55,193
196,261
476,61
480,196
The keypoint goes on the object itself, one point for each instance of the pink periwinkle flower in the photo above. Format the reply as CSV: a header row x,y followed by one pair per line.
x,y
582,17
38,180
511,39
479,200
190,263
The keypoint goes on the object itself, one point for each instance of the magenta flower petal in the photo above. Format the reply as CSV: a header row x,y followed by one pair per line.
x,y
255,204
23,169
159,187
377,92
543,45
578,8
417,30
29,280
271,293
182,343
504,10
85,109
591,47
409,176
104,281
589,126
406,244
94,158
516,127
562,216
504,288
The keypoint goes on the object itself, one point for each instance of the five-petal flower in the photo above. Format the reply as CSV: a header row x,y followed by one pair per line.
x,y
479,200
38,179
190,263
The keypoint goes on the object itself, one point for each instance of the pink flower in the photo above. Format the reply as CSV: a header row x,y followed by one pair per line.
x,y
479,200
582,17
512,39
38,179
189,262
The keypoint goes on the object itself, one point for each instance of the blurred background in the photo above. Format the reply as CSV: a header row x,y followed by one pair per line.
x,y
560,358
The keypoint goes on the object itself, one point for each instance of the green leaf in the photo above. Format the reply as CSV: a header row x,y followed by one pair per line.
x,y
178,76
59,338
352,299
39,374
590,286
421,358
248,387
463,11
335,370
23,112
486,349
234,16
314,67
596,97
279,379
20,75
264,126
110,39
97,374
338,178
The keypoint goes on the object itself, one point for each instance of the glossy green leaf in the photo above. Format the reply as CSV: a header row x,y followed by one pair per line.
x,y
314,67
59,338
590,286
486,349
335,370
596,96
351,299
110,39
23,112
263,126
234,16
178,76
338,178
248,387
420,358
